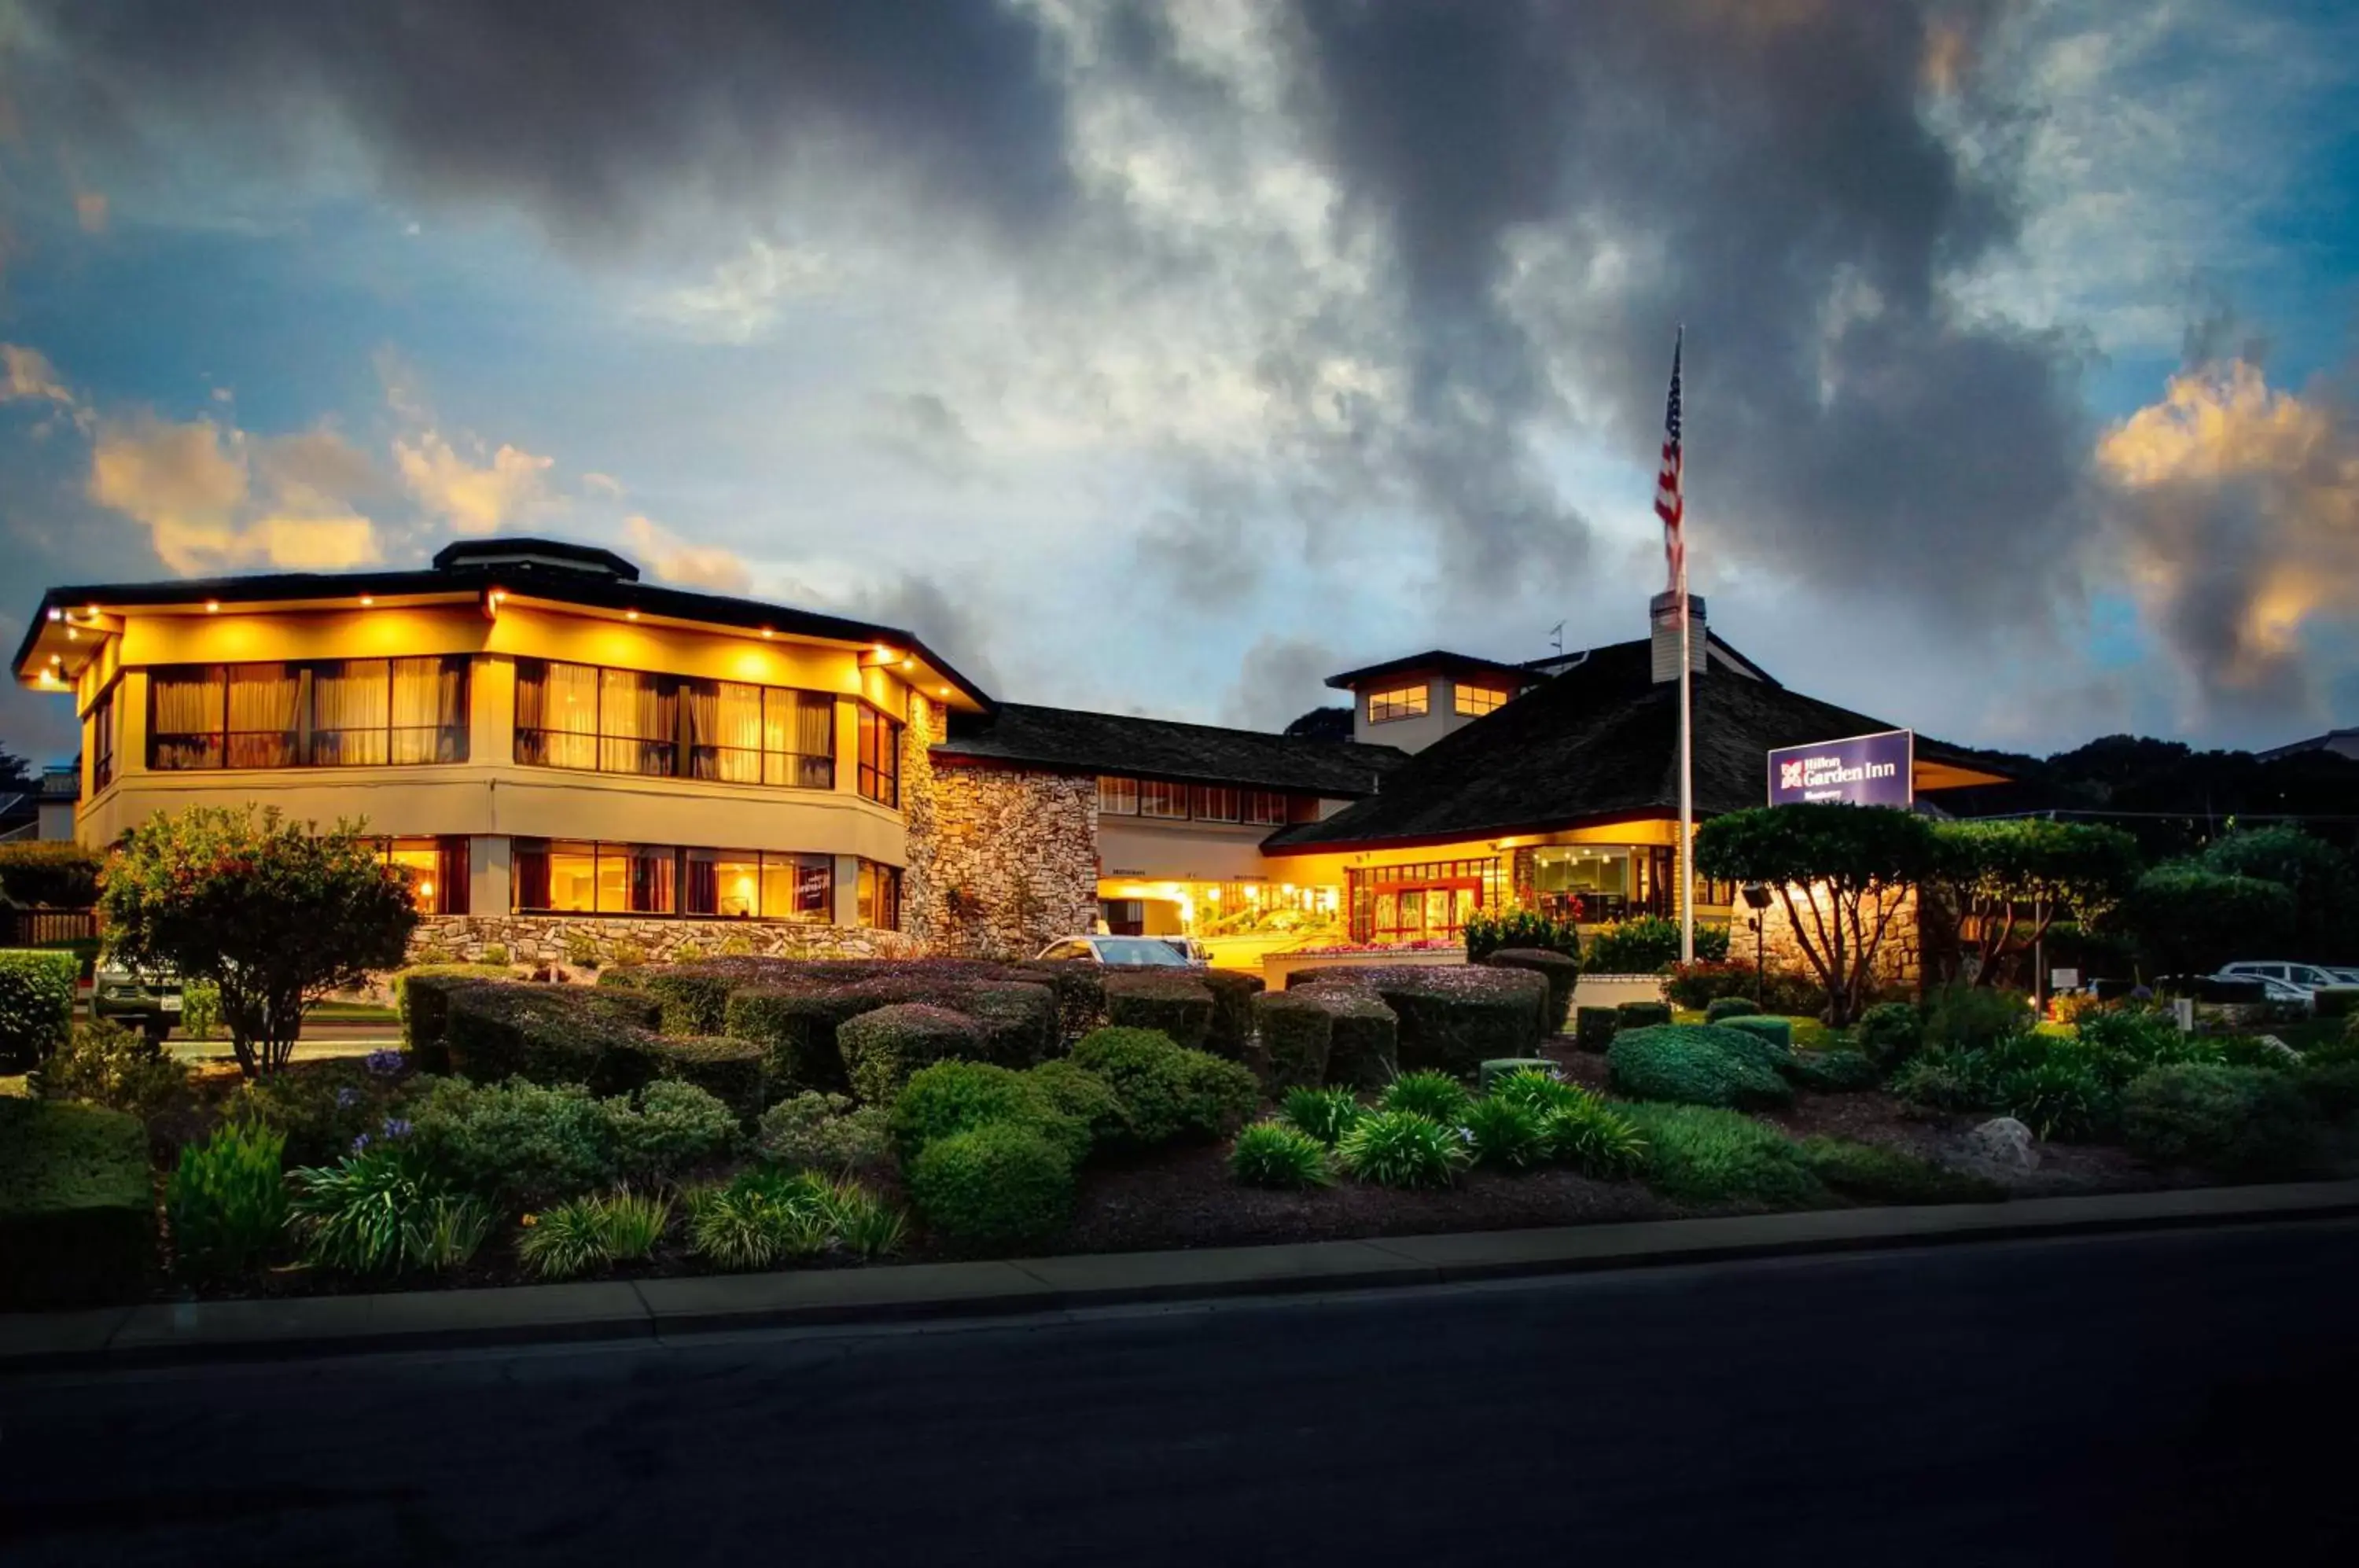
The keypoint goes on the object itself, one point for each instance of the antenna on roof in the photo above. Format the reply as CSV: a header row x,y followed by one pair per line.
x,y
1556,638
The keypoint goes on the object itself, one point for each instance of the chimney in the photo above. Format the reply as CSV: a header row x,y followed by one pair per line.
x,y
1664,612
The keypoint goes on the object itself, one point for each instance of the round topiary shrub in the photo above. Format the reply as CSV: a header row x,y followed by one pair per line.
x,y
998,1184
1167,1091
1075,1091
1694,1065
1641,1014
1724,1007
882,1050
957,1096
2245,1121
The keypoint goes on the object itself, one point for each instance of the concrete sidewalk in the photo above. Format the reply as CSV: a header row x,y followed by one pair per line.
x,y
643,1309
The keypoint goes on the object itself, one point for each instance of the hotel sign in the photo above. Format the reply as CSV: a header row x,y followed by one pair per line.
x,y
1864,770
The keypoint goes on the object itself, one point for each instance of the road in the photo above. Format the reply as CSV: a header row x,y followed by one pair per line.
x,y
2179,1398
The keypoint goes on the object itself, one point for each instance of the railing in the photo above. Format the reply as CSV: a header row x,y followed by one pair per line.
x,y
38,928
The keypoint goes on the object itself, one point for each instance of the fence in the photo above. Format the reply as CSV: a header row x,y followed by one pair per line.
x,y
38,928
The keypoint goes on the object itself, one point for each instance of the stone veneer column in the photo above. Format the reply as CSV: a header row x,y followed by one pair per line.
x,y
1897,963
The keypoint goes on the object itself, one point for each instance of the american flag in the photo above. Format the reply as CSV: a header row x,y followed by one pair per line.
x,y
1671,505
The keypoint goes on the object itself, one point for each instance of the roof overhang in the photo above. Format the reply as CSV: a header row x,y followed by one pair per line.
x,y
1435,661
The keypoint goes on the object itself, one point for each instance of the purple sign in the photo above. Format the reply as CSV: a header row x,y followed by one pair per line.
x,y
1864,770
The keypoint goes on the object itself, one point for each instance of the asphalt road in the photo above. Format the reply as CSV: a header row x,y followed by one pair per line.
x,y
2181,1398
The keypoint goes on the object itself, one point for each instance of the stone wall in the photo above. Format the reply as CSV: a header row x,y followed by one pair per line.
x,y
1002,860
561,938
1898,962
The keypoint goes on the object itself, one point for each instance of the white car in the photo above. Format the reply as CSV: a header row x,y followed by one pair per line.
x,y
2304,977
2283,992
1132,950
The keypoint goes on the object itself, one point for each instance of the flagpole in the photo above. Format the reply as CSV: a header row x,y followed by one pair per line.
x,y
1687,714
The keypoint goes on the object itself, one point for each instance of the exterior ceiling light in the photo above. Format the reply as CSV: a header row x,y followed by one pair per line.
x,y
367,600
630,615
768,633
57,614
212,607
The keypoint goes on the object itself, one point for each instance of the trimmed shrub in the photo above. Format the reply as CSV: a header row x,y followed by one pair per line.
x,y
1891,1032
1593,1027
1506,1135
1832,1072
2337,1001
119,1069
1650,945
1324,1114
812,1131
1641,1014
227,1199
2240,1121
1168,1091
693,1003
36,1000
1274,1154
320,1107
1076,1092
1435,1094
519,1141
953,1097
1723,1008
1171,1005
77,1212
1017,1023
1452,1020
1562,973
668,1129
1875,1174
1500,1069
1698,1154
1402,1148
1694,1065
1526,931
1231,1032
1080,990
797,1032
882,1047
548,1034
2331,1088
1001,1183
1297,1033
1778,1032
1363,1035
422,996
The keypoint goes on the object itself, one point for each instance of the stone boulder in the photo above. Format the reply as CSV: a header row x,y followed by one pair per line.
x,y
2004,1144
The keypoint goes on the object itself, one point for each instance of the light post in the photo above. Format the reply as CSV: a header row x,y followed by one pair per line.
x,y
1757,898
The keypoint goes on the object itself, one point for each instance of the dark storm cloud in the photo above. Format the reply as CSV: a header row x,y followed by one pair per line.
x,y
598,114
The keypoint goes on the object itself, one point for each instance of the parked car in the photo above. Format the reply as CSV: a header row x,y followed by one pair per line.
x,y
2304,977
146,1001
2279,993
1189,948
2345,977
1132,950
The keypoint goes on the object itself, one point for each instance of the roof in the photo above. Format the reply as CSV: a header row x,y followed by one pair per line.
x,y
1600,740
1070,740
2346,741
1440,661
526,569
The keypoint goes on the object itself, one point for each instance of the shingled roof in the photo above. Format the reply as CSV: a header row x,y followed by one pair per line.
x,y
1070,740
1600,740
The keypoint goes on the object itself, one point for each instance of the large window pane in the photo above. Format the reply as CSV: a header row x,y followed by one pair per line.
x,y
880,757
1156,799
352,708
265,714
799,887
557,714
186,729
1215,804
572,877
636,723
723,882
879,896
428,711
1117,797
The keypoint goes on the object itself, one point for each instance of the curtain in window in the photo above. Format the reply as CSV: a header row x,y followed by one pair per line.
x,y
798,737
557,715
532,874
636,723
348,713
265,713
725,729
429,710
188,725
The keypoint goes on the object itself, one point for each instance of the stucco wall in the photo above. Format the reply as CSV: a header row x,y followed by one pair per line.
x,y
1002,860
559,938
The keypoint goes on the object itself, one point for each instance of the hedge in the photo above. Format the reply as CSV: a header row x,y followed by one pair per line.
x,y
1593,1027
1298,1034
1080,990
797,1032
1168,1091
1019,1022
731,1070
422,996
1451,1019
1641,1014
1695,1064
1561,973
77,1208
1725,1007
36,1000
548,1034
1778,1032
693,1003
881,1049
1172,1004
2238,1121
1363,1050
1832,1072
1231,1032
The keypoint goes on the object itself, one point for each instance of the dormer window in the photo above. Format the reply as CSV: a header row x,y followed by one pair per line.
x,y
1474,701
1401,702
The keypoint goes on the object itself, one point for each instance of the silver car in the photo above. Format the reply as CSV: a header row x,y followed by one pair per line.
x,y
149,1001
1132,950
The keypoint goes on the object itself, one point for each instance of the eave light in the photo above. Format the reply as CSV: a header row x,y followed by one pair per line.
x,y
367,600
212,607
630,615
57,614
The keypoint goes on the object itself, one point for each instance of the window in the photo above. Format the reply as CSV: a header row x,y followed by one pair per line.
x,y
1117,797
1430,902
1404,702
880,896
562,877
1476,701
360,712
438,871
1265,808
1162,800
101,742
673,726
1215,803
880,758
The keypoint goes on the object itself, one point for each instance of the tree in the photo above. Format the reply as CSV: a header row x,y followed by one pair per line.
x,y
273,913
2191,920
48,875
1855,867
17,776
2017,878
2319,877
1321,724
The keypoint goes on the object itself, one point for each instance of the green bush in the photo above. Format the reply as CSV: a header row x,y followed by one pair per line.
x,y
1641,1014
1650,945
521,1141
2335,1052
761,1217
1018,1022
1723,1008
864,1224
668,1129
1593,1027
227,1199
381,1211
36,1001
1974,1018
1538,1085
1171,1005
1945,1080
1080,990
692,1004
732,1070
1506,1135
200,1013
797,1032
422,996
1891,1032
1435,1094
1593,1138
1364,1045
1297,1033
320,1107
1694,1065
1698,1154
1832,1072
77,1212
105,1064
1076,1092
1231,1031
953,1097
49,874
1168,1091
2331,1088
1500,1069
814,1131
1778,1032
1877,1174
2239,1121
1562,973
1324,1114
1274,1154
589,1233
549,1034
881,1049
1452,1018
1401,1148
2128,1042
1520,930
2062,1097
998,1184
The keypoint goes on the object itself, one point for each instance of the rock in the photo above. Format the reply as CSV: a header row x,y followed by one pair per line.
x,y
2004,1144
2276,1047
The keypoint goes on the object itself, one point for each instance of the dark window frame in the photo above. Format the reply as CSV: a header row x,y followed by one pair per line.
x,y
455,741
529,863
1394,704
877,746
106,729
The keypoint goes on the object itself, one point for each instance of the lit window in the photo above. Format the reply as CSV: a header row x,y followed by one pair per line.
x,y
367,712
880,758
438,872
1406,702
1476,701
1117,797
880,896
672,726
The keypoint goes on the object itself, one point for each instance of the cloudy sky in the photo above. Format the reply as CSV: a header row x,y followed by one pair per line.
x,y
1166,358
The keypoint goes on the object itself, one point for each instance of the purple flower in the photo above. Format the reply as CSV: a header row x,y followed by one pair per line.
x,y
347,1097
360,1143
386,1063
394,1126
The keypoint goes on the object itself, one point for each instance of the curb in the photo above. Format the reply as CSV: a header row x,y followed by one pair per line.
x,y
169,1334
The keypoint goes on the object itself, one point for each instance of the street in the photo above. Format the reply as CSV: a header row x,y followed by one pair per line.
x,y
2180,1397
